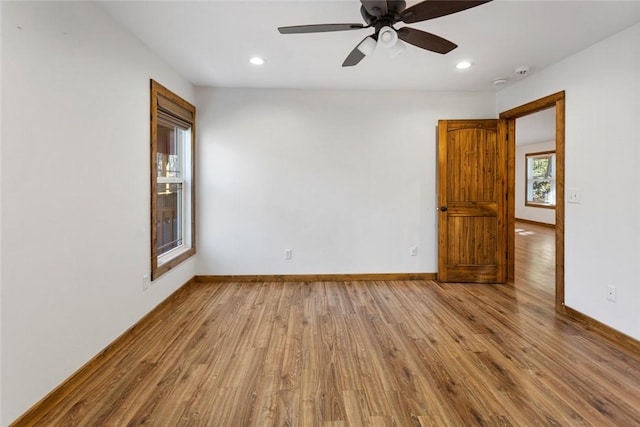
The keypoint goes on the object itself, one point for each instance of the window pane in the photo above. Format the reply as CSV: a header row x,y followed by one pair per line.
x,y
541,179
169,217
169,159
541,191
542,167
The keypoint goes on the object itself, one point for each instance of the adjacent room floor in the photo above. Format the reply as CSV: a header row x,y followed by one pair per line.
x,y
535,257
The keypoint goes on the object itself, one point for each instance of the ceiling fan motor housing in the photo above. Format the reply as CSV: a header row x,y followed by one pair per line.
x,y
366,16
379,21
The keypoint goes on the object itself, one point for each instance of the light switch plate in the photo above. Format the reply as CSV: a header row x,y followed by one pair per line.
x,y
574,195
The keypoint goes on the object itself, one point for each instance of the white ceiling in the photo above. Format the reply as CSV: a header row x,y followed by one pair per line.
x,y
210,42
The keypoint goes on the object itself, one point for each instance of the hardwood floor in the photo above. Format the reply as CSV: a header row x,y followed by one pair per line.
x,y
535,256
379,353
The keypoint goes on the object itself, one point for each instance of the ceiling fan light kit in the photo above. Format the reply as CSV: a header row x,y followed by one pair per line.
x,y
387,37
367,46
382,15
397,49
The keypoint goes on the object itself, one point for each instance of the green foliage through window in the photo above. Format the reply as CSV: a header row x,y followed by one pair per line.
x,y
541,179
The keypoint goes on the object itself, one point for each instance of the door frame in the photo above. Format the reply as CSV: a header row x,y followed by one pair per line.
x,y
556,100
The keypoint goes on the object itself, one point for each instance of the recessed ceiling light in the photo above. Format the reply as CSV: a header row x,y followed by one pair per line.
x,y
256,60
463,65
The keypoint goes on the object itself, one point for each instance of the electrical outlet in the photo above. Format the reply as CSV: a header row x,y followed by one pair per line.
x,y
145,282
288,254
612,293
413,251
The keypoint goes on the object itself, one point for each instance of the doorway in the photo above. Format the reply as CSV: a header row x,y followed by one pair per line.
x,y
535,201
552,101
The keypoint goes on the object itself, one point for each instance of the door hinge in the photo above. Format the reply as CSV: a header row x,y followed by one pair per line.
x,y
507,196
506,255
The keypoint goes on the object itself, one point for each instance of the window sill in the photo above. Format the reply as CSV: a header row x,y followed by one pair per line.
x,y
539,205
170,260
173,253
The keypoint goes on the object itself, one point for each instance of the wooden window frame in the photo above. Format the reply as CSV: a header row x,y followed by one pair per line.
x,y
526,180
167,102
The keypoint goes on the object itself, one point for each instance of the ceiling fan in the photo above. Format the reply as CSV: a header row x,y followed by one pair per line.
x,y
382,15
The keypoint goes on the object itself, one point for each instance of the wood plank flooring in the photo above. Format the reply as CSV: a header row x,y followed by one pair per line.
x,y
370,353
535,256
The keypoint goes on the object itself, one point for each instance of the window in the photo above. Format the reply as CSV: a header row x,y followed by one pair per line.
x,y
172,180
541,179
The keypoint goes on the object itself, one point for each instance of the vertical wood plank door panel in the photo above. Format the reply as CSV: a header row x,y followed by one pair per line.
x,y
472,220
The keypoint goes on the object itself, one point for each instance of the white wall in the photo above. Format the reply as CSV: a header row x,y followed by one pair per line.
x,y
1,103
531,213
602,234
346,179
75,192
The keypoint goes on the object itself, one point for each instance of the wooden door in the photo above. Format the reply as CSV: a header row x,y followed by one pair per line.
x,y
472,194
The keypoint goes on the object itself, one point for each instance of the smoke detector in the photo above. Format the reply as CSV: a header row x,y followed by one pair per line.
x,y
521,71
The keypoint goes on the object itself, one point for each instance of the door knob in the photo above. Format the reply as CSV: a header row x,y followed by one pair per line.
x,y
443,208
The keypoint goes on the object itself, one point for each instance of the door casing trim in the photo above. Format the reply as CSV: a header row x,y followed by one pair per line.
x,y
556,100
